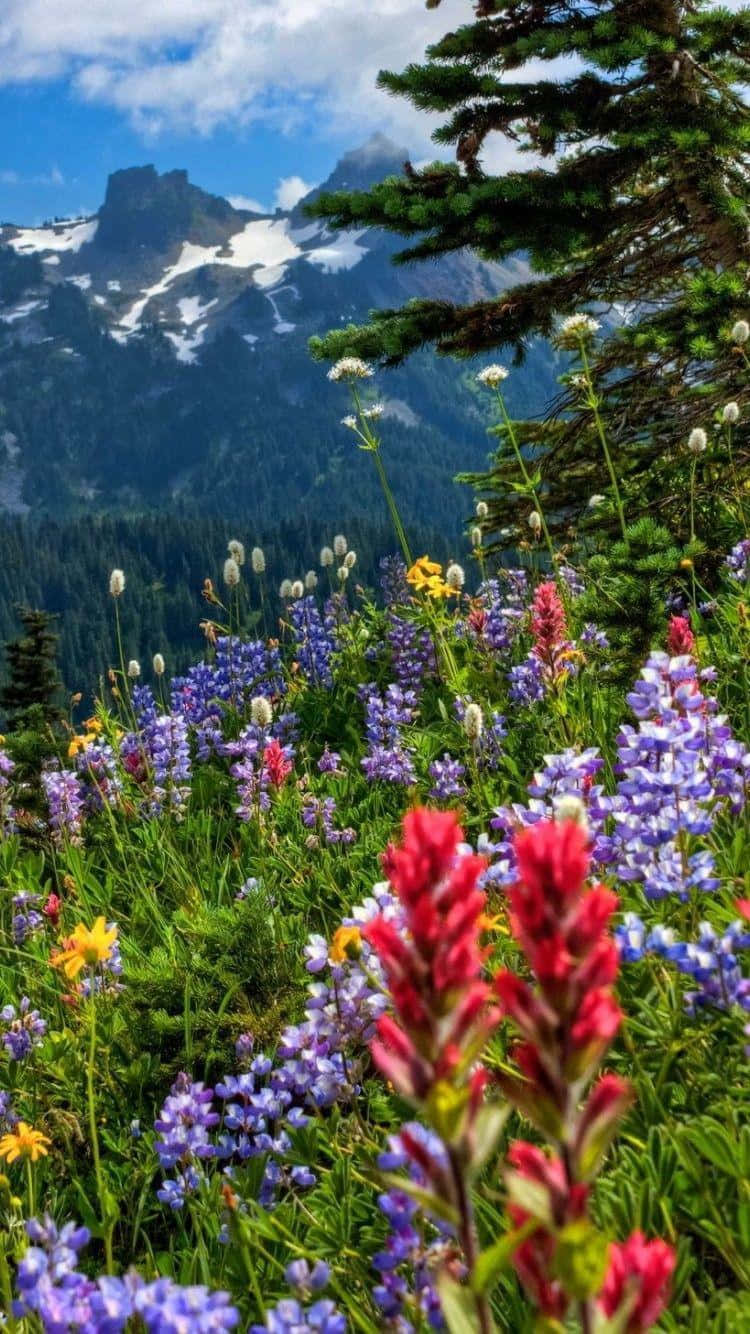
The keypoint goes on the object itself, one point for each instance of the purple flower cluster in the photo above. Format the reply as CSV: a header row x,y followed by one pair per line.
x,y
318,814
97,770
65,801
393,585
412,652
447,779
22,1029
409,1260
710,961
488,747
242,670
314,642
329,762
496,615
169,753
7,814
184,1142
738,561
289,1317
526,682
388,758
26,919
51,1287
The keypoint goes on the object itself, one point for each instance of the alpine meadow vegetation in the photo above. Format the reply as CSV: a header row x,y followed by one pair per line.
x,y
384,967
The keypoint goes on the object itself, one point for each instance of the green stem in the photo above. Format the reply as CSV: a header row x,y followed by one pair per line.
x,y
594,404
30,1187
510,429
94,1134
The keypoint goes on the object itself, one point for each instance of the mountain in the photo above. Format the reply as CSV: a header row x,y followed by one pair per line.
x,y
154,357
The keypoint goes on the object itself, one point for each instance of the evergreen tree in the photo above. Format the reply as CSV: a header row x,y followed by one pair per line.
x,y
31,694
639,205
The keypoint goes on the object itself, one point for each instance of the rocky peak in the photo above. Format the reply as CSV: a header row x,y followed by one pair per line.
x,y
145,210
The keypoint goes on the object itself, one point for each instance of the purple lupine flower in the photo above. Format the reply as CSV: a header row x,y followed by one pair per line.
x,y
526,682
26,919
165,1307
305,1280
495,618
314,643
594,638
447,779
412,653
144,707
97,769
387,757
167,745
289,1317
710,961
572,579
395,589
183,1141
329,762
318,813
65,800
7,814
738,562
23,1029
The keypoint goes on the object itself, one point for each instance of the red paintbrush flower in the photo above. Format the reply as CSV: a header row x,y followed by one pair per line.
x,y
639,1272
276,764
680,637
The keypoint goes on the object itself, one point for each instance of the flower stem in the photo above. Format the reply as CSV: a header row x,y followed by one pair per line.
x,y
510,429
467,1235
594,404
94,1134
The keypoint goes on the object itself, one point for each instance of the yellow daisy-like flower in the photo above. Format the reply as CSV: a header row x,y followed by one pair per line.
x,y
79,744
346,944
86,947
23,1142
93,725
422,571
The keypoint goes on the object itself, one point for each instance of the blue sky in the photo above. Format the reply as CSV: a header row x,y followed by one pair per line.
x,y
254,97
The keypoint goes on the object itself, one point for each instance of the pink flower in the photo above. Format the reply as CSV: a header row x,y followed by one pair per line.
x,y
680,638
639,1272
276,764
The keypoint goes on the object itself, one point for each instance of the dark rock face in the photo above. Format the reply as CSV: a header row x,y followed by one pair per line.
x,y
145,211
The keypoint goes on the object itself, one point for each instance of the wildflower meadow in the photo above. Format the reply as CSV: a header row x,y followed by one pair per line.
x,y
387,969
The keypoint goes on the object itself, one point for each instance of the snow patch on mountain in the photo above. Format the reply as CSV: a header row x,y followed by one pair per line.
x,y
186,345
192,310
68,236
342,252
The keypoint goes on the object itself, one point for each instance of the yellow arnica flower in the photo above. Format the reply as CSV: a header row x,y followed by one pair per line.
x,y
23,1142
93,725
422,571
346,944
80,743
86,947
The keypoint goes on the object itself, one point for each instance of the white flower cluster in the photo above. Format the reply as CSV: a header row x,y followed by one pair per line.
x,y
492,376
350,368
576,329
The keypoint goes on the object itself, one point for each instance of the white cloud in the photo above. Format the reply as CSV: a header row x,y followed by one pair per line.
x,y
290,190
244,201
295,65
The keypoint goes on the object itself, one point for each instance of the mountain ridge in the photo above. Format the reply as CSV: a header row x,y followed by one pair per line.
x,y
146,351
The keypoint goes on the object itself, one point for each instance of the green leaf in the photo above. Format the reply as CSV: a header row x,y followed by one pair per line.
x,y
459,1306
496,1259
712,1141
530,1196
581,1258
487,1132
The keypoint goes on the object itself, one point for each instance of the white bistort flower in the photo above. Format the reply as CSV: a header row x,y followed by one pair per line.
x,y
258,560
342,573
116,583
311,580
473,722
570,807
476,536
298,589
595,501
741,332
158,664
350,368
697,440
454,577
236,551
731,414
261,712
482,509
231,572
285,591
576,329
535,521
350,560
326,557
134,669
492,376
340,545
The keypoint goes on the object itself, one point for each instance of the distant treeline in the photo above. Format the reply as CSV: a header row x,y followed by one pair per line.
x,y
64,568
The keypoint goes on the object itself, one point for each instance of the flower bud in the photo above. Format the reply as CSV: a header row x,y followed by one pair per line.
x,y
535,522
326,557
340,545
134,669
261,712
454,577
231,572
298,589
258,560
285,591
158,664
342,573
731,414
350,560
236,551
697,440
116,583
473,722
482,509
476,537
741,332
311,580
